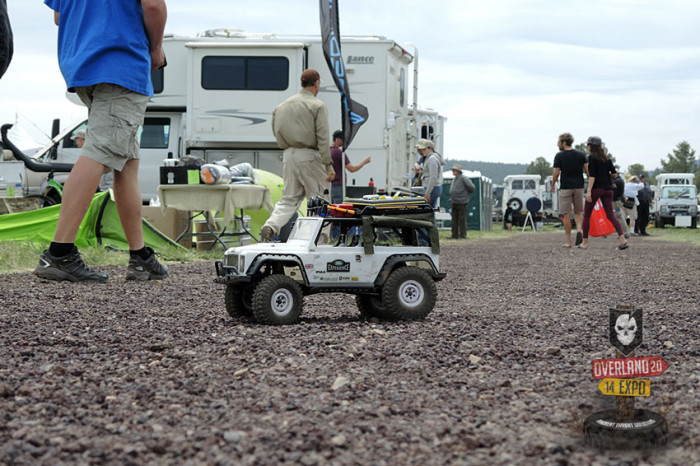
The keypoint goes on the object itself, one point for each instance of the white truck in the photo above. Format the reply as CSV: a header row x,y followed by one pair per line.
x,y
523,194
675,200
215,98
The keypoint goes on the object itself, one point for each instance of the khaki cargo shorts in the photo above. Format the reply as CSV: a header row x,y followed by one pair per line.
x,y
114,116
569,198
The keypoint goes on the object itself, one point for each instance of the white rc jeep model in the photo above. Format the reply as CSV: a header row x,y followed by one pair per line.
x,y
384,251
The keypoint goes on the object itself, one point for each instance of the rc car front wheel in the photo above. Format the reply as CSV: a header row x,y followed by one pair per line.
x,y
409,293
239,300
277,300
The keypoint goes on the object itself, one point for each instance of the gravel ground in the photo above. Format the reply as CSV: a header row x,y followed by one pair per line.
x,y
499,372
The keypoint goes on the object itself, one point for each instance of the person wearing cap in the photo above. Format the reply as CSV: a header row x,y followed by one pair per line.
x,y
79,138
337,155
432,171
300,126
644,197
600,169
460,189
570,164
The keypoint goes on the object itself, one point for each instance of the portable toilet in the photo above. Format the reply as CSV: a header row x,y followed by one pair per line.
x,y
480,205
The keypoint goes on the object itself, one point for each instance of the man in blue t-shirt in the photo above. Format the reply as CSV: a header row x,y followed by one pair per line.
x,y
571,164
106,51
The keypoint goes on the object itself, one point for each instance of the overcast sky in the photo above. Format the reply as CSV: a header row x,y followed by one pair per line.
x,y
509,75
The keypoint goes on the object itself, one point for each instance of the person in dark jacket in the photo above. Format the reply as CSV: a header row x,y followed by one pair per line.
x,y
460,189
6,47
644,197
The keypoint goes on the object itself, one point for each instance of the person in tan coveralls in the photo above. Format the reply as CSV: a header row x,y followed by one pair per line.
x,y
300,125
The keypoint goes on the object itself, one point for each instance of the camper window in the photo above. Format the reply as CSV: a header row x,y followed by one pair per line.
x,y
245,73
155,133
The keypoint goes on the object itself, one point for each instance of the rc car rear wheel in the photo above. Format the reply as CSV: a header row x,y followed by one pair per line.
x,y
277,300
239,300
371,306
409,293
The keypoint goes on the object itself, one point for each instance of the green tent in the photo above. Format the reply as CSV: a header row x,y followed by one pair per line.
x,y
100,227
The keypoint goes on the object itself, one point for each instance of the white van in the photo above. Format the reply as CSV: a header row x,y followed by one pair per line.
x,y
675,200
523,193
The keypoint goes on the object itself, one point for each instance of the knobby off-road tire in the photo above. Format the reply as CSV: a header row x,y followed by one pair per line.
x,y
409,293
239,300
277,300
646,431
517,204
371,306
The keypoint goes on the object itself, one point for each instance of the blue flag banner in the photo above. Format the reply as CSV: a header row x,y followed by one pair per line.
x,y
354,114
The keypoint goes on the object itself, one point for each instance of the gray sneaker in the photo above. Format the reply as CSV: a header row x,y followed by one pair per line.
x,y
148,269
70,267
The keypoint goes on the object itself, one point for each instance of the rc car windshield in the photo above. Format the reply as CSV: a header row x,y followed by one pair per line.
x,y
304,229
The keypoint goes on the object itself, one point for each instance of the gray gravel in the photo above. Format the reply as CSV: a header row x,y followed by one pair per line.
x,y
499,372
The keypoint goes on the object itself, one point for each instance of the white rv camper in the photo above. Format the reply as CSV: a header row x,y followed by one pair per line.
x,y
215,99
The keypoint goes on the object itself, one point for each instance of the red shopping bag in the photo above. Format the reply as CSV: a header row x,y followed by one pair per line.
x,y
600,225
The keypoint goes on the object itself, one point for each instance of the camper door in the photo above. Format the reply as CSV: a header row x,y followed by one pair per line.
x,y
233,88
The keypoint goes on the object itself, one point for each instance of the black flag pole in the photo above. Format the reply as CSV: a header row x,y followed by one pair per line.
x,y
354,114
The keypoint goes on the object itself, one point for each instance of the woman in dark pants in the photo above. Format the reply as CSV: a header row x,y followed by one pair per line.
x,y
600,169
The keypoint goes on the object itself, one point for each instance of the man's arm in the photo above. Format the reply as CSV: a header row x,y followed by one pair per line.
x,y
555,177
585,169
353,168
323,140
155,14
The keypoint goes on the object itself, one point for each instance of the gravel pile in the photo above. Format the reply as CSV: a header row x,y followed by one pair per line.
x,y
499,372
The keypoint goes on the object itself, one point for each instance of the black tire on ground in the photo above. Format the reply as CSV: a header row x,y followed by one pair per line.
x,y
409,293
647,430
659,223
515,204
277,300
371,306
694,222
239,300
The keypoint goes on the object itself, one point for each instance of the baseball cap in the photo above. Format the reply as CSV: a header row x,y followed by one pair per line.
x,y
641,175
594,141
424,144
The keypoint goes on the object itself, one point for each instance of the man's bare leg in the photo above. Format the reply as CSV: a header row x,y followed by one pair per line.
x,y
78,191
127,196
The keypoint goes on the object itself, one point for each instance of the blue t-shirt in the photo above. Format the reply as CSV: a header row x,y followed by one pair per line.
x,y
103,41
